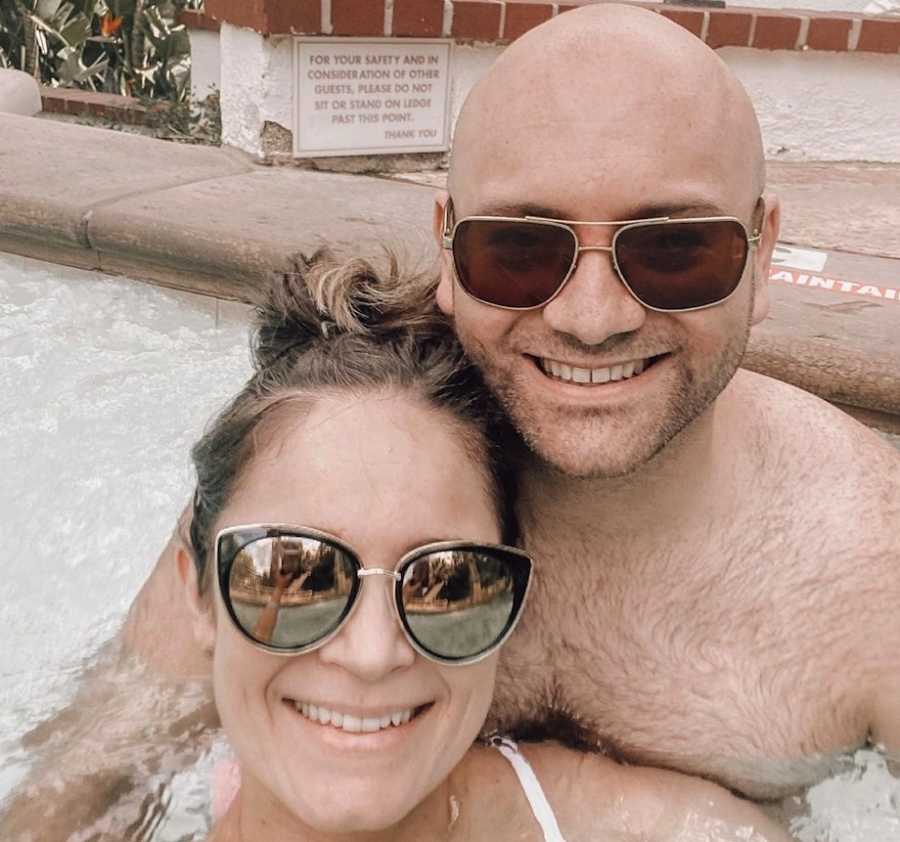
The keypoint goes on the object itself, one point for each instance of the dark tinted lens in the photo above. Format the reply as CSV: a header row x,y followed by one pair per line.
x,y
513,264
290,591
458,603
678,265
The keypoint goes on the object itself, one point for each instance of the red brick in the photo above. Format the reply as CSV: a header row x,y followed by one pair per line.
x,y
476,21
520,17
268,16
728,28
122,109
828,34
300,16
879,36
193,19
249,13
776,32
358,17
418,17
692,21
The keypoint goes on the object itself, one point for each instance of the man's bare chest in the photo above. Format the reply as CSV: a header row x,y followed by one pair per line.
x,y
735,663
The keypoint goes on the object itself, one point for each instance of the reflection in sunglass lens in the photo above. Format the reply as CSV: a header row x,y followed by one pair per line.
x,y
680,265
513,264
458,603
290,591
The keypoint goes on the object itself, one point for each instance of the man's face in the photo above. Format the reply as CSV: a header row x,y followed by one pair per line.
x,y
576,165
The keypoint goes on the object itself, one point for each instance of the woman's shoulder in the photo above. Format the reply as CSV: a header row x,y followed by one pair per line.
x,y
487,800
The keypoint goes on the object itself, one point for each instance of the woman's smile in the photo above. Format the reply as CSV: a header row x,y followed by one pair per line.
x,y
357,721
353,732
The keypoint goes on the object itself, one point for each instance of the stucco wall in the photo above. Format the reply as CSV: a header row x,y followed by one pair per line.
x,y
813,106
205,63
823,106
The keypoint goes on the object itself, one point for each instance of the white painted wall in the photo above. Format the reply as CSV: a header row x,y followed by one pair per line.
x,y
206,63
812,106
816,106
257,85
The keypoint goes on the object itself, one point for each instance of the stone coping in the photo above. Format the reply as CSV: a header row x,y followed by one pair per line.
x,y
211,221
502,21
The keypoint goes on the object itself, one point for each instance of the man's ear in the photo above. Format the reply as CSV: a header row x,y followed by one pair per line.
x,y
769,221
200,608
445,285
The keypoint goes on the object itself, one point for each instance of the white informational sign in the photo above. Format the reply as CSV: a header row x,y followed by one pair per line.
x,y
368,97
797,258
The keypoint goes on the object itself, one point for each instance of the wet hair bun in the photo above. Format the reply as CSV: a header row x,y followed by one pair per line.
x,y
323,298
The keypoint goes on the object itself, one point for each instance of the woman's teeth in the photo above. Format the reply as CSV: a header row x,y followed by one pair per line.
x,y
573,374
353,724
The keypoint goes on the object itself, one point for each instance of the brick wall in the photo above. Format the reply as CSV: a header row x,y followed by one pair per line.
x,y
501,21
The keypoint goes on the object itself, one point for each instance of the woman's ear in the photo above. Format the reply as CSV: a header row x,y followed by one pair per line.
x,y
200,607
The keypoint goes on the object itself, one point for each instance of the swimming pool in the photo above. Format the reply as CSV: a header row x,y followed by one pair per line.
x,y
106,383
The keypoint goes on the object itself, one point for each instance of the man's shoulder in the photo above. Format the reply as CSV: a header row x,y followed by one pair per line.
x,y
814,450
787,416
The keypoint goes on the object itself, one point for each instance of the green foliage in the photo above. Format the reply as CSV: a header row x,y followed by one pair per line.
x,y
131,47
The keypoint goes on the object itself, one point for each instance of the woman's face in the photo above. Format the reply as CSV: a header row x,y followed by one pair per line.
x,y
384,474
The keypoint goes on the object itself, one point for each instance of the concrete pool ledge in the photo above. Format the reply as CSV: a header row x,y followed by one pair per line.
x,y
211,221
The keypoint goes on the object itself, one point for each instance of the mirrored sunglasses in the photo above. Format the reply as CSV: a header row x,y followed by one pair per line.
x,y
290,589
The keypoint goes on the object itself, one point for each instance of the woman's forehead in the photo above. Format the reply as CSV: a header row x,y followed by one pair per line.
x,y
353,461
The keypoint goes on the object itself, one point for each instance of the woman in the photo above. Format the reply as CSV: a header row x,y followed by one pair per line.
x,y
352,577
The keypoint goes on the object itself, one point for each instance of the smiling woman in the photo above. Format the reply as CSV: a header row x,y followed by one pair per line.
x,y
349,570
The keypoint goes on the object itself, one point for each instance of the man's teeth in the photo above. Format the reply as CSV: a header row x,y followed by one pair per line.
x,y
353,724
573,374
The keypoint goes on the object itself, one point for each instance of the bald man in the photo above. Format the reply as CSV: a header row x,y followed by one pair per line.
x,y
714,596
707,601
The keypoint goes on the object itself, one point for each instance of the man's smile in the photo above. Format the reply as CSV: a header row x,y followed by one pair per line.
x,y
566,372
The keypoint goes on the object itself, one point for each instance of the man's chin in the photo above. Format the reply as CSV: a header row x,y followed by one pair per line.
x,y
592,463
591,448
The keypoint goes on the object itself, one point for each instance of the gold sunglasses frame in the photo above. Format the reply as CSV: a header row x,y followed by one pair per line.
x,y
448,234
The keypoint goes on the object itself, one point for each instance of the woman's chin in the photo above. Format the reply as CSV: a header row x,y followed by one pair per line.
x,y
365,815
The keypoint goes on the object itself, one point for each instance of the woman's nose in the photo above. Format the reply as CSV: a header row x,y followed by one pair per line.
x,y
371,644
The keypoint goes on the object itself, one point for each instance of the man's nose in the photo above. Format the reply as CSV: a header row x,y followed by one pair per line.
x,y
371,644
594,304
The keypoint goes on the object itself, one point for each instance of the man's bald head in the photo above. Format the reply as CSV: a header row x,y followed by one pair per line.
x,y
614,87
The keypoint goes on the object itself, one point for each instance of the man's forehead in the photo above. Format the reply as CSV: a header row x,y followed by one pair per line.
x,y
581,168
628,106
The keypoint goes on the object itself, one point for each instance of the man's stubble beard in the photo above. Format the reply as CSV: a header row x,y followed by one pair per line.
x,y
629,441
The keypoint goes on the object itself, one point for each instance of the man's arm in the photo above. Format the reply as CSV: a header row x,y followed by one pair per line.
x,y
143,706
595,797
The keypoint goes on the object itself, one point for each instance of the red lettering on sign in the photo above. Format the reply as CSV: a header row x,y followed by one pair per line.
x,y
834,284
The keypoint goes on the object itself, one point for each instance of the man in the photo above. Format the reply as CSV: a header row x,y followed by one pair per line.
x,y
702,588
704,602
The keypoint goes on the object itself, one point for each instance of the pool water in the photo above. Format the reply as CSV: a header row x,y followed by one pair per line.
x,y
105,384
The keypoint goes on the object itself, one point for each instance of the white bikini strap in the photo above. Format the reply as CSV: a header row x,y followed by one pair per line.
x,y
531,787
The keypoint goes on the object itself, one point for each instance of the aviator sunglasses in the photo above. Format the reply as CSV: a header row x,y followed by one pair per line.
x,y
456,601
669,265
